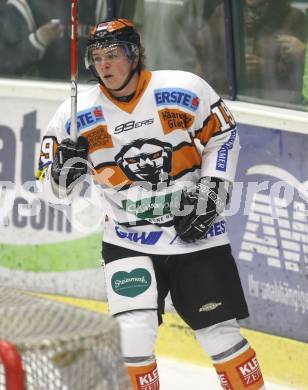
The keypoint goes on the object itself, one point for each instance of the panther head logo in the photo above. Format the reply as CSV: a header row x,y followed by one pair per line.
x,y
147,160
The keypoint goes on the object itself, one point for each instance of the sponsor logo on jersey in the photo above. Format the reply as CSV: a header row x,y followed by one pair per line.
x,y
222,155
224,381
173,119
210,306
148,381
153,207
176,97
216,229
86,118
132,125
249,371
144,238
98,138
131,284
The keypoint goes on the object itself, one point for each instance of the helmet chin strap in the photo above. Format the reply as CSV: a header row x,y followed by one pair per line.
x,y
128,79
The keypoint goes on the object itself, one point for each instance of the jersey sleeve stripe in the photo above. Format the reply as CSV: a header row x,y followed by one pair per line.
x,y
185,158
211,126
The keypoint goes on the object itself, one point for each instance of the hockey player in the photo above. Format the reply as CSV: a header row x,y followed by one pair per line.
x,y
163,147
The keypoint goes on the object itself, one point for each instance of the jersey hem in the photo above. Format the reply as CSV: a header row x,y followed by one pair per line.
x,y
172,251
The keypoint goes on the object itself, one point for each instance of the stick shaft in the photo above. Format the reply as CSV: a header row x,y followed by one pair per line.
x,y
74,69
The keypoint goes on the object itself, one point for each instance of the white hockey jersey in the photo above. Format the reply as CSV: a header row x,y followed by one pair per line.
x,y
175,130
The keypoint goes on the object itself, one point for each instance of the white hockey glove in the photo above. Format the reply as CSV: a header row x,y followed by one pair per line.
x,y
207,199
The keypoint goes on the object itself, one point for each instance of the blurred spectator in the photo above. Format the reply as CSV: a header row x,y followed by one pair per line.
x,y
273,61
169,28
35,36
211,48
276,33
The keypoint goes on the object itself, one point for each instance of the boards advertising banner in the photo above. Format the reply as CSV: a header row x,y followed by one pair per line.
x,y
269,231
44,247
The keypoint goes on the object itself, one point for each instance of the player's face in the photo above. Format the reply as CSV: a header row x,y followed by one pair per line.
x,y
112,65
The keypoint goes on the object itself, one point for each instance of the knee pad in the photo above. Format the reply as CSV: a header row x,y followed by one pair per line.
x,y
138,334
221,338
131,284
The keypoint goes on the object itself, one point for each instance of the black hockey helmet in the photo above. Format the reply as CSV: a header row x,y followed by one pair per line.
x,y
113,33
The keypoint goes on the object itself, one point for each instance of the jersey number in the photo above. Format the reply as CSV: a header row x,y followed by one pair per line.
x,y
224,116
48,149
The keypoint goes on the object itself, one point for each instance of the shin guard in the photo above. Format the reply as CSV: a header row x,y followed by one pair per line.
x,y
144,377
241,372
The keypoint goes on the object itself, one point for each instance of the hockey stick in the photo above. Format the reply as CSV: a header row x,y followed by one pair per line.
x,y
74,69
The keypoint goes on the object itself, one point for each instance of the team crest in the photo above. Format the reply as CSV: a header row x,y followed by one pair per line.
x,y
146,160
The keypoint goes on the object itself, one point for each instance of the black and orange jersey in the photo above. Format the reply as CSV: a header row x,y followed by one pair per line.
x,y
175,130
